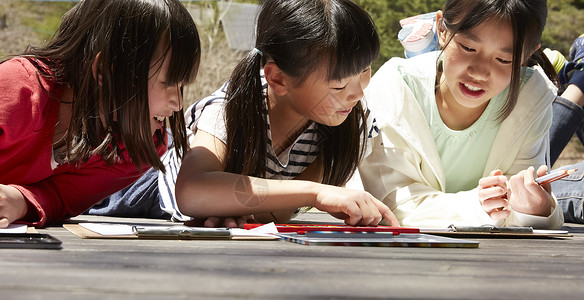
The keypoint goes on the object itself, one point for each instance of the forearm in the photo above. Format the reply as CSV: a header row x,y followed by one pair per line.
x,y
227,194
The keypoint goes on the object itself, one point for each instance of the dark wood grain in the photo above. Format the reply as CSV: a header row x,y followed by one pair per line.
x,y
172,269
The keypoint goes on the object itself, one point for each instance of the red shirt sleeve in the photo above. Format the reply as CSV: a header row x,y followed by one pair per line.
x,y
27,122
74,189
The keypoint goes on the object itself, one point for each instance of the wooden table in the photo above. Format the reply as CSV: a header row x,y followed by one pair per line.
x,y
173,269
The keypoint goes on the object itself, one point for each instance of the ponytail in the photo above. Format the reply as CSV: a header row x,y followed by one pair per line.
x,y
245,118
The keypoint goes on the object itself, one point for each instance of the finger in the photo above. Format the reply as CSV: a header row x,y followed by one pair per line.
x,y
541,171
353,213
499,214
4,222
241,221
529,182
498,180
492,192
385,213
212,222
230,222
495,173
370,214
391,218
493,204
528,177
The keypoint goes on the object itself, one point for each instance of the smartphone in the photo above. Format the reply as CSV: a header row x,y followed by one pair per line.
x,y
29,241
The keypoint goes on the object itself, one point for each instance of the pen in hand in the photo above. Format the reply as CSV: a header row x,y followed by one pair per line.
x,y
551,177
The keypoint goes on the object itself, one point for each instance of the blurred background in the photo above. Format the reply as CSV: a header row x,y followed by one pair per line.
x,y
226,32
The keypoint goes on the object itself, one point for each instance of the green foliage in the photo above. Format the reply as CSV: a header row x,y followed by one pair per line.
x,y
41,17
565,22
387,15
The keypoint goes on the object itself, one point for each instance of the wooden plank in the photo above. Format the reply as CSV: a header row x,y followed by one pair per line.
x,y
225,269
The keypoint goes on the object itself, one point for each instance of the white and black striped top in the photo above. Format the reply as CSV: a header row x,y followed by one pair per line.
x,y
208,115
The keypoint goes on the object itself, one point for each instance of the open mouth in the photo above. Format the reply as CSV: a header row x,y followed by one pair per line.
x,y
471,90
345,112
159,120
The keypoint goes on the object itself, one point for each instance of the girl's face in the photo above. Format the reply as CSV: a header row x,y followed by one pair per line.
x,y
477,65
163,99
328,102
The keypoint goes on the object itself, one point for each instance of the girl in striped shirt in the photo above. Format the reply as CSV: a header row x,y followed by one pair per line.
x,y
292,109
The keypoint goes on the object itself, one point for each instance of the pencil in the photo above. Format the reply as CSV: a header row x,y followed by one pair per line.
x,y
551,177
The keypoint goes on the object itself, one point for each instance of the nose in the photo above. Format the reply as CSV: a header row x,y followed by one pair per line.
x,y
358,85
479,70
176,98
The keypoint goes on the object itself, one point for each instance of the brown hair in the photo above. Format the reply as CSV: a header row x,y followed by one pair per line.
x,y
124,35
300,36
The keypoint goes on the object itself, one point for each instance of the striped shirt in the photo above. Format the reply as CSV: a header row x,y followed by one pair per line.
x,y
208,115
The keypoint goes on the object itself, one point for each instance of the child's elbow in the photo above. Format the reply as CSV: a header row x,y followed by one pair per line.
x,y
184,199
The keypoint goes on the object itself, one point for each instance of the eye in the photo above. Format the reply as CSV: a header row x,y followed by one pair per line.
x,y
504,61
465,48
169,85
367,70
340,88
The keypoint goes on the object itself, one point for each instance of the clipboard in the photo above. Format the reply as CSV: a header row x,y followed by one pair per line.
x,y
375,239
490,231
161,232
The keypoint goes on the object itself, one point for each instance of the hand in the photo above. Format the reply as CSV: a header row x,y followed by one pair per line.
x,y
493,195
12,205
353,206
230,222
527,196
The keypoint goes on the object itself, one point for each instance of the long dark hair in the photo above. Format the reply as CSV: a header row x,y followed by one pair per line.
x,y
112,107
300,36
527,18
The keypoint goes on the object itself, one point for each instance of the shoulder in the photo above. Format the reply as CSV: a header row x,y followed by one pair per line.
x,y
24,91
537,88
396,86
18,74
417,74
422,66
214,102
17,66
537,75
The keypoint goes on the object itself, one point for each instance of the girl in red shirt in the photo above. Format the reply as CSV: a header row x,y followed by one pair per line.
x,y
86,115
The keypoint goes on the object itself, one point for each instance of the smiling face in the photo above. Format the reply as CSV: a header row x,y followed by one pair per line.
x,y
328,102
163,98
477,67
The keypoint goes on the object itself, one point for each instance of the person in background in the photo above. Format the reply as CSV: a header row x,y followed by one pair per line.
x,y
568,119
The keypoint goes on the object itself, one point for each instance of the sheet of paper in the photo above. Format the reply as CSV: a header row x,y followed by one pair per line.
x,y
264,230
15,228
108,228
435,229
542,231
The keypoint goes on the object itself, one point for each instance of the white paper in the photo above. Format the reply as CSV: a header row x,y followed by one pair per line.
x,y
541,231
267,230
109,229
15,228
